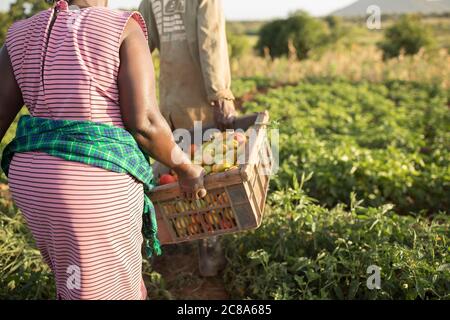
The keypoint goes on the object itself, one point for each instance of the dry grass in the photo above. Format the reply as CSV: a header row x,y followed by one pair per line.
x,y
356,63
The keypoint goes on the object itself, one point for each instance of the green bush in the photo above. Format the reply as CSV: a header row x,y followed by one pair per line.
x,y
238,45
270,39
304,251
336,27
408,36
299,32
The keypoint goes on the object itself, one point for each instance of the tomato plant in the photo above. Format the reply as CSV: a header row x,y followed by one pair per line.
x,y
305,251
388,143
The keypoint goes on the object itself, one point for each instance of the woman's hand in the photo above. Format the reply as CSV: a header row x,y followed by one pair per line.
x,y
190,179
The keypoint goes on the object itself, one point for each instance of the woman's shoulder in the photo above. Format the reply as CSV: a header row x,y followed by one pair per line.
x,y
36,18
22,28
113,13
119,17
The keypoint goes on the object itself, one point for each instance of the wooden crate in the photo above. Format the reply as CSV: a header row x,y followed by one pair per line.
x,y
235,200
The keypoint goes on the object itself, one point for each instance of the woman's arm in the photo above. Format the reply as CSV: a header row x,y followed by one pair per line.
x,y
140,111
11,100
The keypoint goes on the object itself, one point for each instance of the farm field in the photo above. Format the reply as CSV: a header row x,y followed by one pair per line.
x,y
364,180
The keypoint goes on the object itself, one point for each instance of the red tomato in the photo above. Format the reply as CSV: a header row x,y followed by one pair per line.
x,y
226,224
167,179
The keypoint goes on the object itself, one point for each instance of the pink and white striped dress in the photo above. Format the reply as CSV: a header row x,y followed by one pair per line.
x,y
86,221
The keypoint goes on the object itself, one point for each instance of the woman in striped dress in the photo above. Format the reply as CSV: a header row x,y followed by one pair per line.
x,y
86,64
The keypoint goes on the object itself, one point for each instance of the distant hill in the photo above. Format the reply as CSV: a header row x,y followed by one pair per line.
x,y
395,7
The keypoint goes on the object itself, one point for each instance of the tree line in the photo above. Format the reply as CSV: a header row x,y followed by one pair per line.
x,y
300,34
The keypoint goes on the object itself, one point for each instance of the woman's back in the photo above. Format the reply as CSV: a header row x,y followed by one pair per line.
x,y
68,69
84,219
85,205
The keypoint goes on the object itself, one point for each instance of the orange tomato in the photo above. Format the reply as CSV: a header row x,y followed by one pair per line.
x,y
167,179
225,224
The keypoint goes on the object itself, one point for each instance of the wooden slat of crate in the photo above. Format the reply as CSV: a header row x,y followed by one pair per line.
x,y
218,180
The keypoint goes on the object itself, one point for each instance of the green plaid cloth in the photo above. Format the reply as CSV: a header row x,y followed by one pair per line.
x,y
96,144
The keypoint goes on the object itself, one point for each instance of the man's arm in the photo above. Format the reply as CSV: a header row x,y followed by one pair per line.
x,y
213,49
214,60
146,10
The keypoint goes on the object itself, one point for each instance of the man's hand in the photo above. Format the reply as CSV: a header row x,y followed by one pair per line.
x,y
224,113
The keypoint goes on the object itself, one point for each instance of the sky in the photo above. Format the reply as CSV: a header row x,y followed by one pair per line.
x,y
250,9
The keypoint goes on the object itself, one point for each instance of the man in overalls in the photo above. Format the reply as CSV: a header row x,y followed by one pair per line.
x,y
194,76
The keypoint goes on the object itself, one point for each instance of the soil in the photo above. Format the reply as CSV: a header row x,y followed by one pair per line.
x,y
179,269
